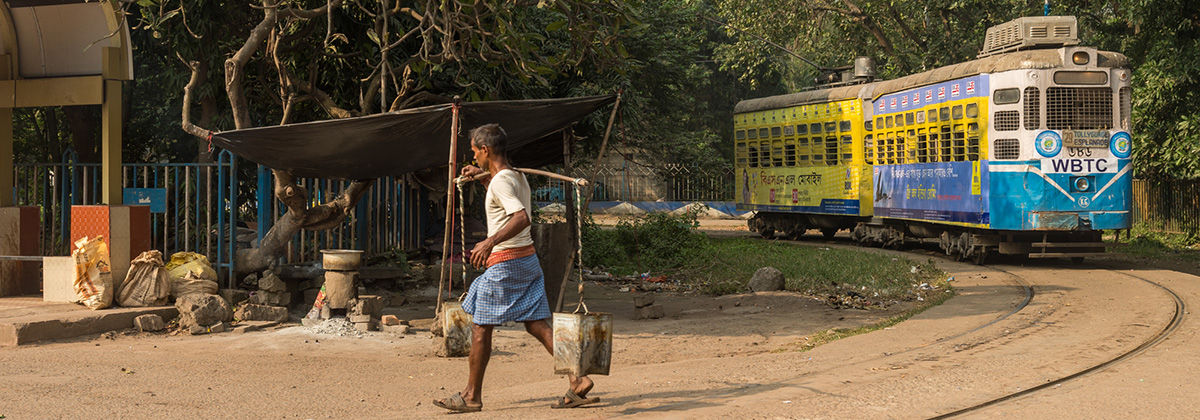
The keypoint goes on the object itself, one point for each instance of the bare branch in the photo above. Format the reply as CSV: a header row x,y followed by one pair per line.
x,y
199,75
310,13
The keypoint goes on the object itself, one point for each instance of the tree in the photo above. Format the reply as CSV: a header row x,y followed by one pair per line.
x,y
387,56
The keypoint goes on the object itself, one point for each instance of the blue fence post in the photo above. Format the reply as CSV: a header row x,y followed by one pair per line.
x,y
265,197
233,215
361,222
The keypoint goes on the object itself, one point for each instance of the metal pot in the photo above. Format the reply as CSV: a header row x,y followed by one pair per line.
x,y
341,259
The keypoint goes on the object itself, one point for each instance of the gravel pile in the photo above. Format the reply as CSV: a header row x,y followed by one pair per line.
x,y
337,326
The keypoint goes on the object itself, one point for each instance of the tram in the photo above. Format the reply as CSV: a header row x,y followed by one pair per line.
x,y
1024,150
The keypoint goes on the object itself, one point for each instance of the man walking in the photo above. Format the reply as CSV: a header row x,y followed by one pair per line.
x,y
512,287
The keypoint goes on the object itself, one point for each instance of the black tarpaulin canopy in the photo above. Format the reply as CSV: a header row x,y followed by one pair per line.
x,y
400,142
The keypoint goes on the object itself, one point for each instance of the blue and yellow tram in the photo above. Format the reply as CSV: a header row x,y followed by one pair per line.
x,y
1025,150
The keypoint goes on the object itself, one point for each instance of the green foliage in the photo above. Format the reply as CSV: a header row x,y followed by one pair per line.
x,y
726,265
655,242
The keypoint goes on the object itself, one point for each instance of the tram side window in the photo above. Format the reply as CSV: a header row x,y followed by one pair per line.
x,y
944,113
847,149
960,143
899,120
803,151
764,154
762,133
831,150
973,148
908,119
922,146
741,134
868,125
753,155
818,150
888,121
814,128
801,129
788,130
944,152
956,112
932,144
879,122
789,152
776,131
752,134
972,110
869,149
911,147
777,156
920,117
831,127
844,126
932,116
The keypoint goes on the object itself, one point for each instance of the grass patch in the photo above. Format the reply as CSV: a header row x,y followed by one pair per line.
x,y
725,265
1162,246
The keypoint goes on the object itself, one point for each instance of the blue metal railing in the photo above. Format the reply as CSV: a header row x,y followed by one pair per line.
x,y
389,216
186,224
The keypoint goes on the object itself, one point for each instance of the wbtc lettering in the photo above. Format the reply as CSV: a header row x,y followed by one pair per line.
x,y
1079,165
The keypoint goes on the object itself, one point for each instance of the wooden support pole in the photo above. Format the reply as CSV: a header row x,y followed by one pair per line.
x,y
7,159
448,232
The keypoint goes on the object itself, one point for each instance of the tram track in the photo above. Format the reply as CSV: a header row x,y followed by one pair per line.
x,y
1170,327
1169,324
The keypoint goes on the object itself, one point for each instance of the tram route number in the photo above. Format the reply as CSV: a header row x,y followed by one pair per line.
x,y
1080,152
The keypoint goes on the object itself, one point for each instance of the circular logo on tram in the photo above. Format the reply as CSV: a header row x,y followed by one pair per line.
x,y
1048,143
1120,144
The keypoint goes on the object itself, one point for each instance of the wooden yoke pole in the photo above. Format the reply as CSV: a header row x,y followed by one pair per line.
x,y
449,229
582,182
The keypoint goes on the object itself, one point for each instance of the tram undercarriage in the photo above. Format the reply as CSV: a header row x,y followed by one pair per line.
x,y
964,244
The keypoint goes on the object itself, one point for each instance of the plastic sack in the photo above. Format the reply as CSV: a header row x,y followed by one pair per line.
x,y
146,284
93,275
189,272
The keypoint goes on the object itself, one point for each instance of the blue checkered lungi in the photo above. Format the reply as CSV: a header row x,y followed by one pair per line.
x,y
513,290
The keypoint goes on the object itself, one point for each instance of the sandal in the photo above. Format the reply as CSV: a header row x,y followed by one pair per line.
x,y
573,400
457,404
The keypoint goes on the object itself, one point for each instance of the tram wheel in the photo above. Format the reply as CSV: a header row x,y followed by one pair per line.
x,y
767,233
980,256
828,233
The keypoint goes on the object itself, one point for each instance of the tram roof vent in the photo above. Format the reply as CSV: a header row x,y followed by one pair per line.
x,y
1029,33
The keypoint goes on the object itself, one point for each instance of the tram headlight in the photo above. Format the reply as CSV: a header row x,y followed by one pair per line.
x,y
1080,58
1081,184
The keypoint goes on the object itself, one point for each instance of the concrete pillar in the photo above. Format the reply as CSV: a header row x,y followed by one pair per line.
x,y
110,161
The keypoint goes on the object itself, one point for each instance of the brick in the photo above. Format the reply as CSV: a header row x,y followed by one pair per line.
x,y
389,320
148,323
365,326
649,312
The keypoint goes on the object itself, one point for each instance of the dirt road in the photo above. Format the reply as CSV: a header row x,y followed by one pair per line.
x,y
732,357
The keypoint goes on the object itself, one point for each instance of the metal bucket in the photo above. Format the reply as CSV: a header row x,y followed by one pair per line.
x,y
582,343
456,325
341,259
340,288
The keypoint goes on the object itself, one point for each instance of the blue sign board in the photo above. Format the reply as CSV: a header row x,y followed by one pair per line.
x,y
156,198
941,192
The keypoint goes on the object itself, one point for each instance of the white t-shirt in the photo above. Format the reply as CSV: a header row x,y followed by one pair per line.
x,y
507,194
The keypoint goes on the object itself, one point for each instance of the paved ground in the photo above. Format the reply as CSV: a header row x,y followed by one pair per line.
x,y
733,356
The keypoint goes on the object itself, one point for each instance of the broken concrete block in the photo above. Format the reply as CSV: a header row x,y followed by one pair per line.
x,y
366,305
649,312
269,298
216,328
271,283
360,318
389,320
197,330
149,322
395,329
252,312
202,309
234,296
365,326
766,279
643,300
